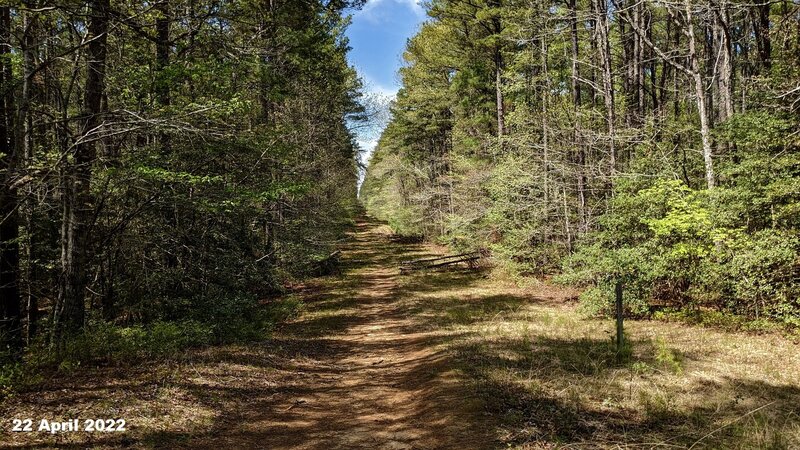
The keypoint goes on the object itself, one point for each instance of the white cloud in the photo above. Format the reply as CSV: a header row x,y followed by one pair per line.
x,y
372,11
368,146
376,90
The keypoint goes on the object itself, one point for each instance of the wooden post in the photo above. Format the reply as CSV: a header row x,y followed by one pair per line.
x,y
620,337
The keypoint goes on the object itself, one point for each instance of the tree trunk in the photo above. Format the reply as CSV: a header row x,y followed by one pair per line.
x,y
162,88
267,70
676,101
580,157
10,314
576,87
545,127
632,64
665,73
594,52
638,64
762,35
608,81
498,69
700,98
25,143
69,311
501,121
163,99
724,61
567,226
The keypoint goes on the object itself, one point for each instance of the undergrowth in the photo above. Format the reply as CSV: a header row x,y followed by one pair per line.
x,y
211,321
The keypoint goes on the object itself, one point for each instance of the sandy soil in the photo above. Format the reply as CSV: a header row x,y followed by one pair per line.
x,y
366,376
437,360
355,370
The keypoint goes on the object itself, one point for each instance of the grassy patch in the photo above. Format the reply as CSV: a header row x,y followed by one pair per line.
x,y
724,321
551,376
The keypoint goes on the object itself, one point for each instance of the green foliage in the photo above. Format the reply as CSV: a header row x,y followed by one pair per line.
x,y
519,234
761,275
667,357
544,196
112,344
159,174
234,318
208,321
13,377
718,319
654,243
222,164
684,259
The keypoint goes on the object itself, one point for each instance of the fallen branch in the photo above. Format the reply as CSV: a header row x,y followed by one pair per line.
x,y
471,259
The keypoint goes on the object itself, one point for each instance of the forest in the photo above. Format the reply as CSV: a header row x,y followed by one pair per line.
x,y
167,162
198,250
644,142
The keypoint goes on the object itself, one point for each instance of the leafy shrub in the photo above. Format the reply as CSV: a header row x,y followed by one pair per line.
x,y
212,320
113,344
523,236
675,247
762,275
14,376
233,318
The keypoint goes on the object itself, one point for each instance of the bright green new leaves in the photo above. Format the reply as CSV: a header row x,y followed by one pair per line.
x,y
602,173
686,228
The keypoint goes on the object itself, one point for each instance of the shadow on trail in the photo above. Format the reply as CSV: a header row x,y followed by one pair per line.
x,y
531,415
384,360
357,370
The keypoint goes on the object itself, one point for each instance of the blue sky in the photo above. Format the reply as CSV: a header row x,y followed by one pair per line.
x,y
378,37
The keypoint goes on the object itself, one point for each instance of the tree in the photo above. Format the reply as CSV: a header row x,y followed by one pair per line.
x,y
569,184
10,327
77,217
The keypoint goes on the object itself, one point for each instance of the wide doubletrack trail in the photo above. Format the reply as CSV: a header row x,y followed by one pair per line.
x,y
364,371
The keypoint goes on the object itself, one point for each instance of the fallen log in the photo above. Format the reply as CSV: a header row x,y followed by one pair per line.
x,y
470,259
439,258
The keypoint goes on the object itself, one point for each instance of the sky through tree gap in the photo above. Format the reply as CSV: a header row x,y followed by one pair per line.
x,y
378,36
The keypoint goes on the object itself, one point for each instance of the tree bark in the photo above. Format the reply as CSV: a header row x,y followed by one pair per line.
x,y
638,64
69,311
498,70
608,82
573,27
725,61
545,128
25,142
268,66
700,98
762,35
163,44
163,100
501,121
10,313
580,157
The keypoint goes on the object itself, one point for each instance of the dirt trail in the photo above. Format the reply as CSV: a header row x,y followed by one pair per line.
x,y
435,360
357,369
365,373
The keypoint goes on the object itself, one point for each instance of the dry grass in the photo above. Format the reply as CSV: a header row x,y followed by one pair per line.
x,y
353,371
554,380
438,360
